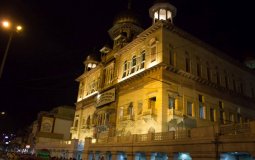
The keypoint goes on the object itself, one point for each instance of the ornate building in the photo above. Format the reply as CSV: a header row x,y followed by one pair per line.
x,y
161,93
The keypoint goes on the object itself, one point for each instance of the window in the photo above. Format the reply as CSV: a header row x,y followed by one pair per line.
x,y
153,52
222,113
130,109
231,118
202,108
187,65
88,121
142,59
133,64
124,69
189,108
139,108
199,69
171,103
212,114
152,103
162,14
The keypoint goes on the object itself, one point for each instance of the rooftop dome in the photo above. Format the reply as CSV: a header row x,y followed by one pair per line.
x,y
127,16
91,58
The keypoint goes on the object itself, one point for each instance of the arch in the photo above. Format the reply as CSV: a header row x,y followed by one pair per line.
x,y
151,130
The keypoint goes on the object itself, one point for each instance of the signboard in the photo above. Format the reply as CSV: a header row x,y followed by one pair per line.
x,y
105,97
47,124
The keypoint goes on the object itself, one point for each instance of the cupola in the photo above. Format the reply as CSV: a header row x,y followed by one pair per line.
x,y
90,63
162,10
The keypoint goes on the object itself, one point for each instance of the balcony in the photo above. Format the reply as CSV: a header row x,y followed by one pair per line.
x,y
174,112
127,117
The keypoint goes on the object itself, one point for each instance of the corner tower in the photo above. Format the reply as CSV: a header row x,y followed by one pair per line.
x,y
126,27
162,10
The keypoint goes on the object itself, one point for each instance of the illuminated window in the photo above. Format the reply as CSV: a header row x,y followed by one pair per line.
x,y
162,14
169,15
152,103
142,59
171,102
156,15
133,64
189,108
187,60
202,108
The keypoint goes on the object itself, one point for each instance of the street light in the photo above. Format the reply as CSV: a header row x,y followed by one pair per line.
x,y
7,25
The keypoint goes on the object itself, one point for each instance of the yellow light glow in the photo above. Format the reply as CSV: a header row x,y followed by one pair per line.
x,y
2,113
94,140
6,24
19,28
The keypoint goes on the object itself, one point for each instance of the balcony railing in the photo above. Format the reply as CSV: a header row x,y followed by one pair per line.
x,y
235,128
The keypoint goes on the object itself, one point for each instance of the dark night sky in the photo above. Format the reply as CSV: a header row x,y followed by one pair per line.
x,y
46,58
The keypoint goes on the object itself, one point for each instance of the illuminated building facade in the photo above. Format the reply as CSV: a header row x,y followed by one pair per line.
x,y
161,93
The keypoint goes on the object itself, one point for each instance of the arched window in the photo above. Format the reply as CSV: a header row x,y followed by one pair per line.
x,y
151,130
124,69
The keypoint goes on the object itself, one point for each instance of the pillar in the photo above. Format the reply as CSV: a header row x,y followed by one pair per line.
x,y
114,155
130,156
170,155
148,156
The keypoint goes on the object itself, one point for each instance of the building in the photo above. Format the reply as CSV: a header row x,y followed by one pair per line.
x,y
161,93
52,129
